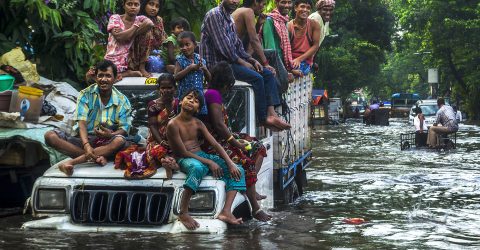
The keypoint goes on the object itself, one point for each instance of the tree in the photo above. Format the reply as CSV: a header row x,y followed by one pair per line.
x,y
64,37
353,59
450,31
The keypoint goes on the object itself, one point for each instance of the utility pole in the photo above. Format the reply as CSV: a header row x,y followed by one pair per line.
x,y
433,82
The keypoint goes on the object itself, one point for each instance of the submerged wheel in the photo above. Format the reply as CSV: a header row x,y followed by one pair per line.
x,y
449,144
405,145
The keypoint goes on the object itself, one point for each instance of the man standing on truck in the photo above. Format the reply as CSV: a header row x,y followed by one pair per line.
x,y
103,120
219,42
322,16
304,36
445,117
274,34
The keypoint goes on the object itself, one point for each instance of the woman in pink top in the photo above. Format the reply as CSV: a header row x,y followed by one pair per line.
x,y
304,36
122,31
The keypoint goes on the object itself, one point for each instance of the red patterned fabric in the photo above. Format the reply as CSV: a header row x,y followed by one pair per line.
x,y
118,52
245,158
133,161
156,150
280,23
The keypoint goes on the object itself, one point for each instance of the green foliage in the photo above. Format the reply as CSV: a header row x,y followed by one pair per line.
x,y
352,57
450,32
61,35
192,10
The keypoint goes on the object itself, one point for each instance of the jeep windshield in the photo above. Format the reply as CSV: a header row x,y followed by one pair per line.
x,y
235,103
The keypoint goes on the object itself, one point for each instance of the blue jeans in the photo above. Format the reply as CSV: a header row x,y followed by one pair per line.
x,y
264,85
196,170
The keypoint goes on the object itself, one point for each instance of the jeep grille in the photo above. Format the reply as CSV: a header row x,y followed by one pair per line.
x,y
113,207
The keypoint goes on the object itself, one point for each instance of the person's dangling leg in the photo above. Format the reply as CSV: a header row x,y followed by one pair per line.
x,y
232,187
195,171
139,52
245,74
273,99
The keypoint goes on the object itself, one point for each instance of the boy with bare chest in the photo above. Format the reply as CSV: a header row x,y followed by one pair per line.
x,y
183,132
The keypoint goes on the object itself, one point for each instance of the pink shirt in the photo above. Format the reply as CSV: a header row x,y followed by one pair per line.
x,y
117,52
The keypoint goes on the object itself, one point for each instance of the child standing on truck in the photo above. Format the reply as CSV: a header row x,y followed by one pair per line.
x,y
190,68
183,134
170,48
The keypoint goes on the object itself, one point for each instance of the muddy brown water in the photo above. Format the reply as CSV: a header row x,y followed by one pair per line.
x,y
414,199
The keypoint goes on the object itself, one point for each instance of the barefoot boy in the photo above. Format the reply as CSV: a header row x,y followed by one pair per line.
x,y
183,132
103,116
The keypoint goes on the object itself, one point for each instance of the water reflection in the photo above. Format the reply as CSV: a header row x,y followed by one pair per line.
x,y
410,199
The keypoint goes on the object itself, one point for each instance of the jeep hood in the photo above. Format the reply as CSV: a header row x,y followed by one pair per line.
x,y
92,170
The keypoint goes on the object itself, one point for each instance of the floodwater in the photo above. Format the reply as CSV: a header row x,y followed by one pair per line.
x,y
414,199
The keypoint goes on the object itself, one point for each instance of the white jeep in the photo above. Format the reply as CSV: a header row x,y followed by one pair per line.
x,y
98,198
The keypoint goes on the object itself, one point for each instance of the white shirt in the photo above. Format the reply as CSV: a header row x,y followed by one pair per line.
x,y
416,123
323,26
458,116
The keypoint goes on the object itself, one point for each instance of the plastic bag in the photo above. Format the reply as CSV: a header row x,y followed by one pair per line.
x,y
16,59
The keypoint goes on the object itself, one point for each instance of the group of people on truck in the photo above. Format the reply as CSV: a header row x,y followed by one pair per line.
x,y
231,48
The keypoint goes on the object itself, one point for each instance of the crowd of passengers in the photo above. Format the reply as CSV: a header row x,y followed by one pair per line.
x,y
188,125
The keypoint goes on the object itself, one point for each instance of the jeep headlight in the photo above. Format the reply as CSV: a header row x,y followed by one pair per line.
x,y
51,199
202,202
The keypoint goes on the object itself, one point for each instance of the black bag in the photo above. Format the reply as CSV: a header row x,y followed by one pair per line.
x,y
282,73
48,109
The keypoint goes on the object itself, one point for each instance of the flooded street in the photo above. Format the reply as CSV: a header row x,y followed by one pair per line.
x,y
413,199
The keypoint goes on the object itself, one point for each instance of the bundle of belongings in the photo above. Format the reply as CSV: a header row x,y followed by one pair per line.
x,y
134,161
33,102
17,61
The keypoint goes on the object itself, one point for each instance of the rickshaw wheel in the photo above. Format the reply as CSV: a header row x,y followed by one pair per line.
x,y
449,144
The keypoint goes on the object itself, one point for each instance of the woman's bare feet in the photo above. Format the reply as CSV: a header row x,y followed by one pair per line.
x,y
169,164
66,167
188,221
131,73
145,73
261,215
229,218
102,161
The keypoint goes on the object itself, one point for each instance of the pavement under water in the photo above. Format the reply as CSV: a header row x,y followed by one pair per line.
x,y
413,199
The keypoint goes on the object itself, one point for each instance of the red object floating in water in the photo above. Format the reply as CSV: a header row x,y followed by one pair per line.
x,y
354,221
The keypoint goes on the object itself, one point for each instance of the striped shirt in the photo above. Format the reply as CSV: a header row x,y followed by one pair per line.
x,y
219,40
116,113
446,117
